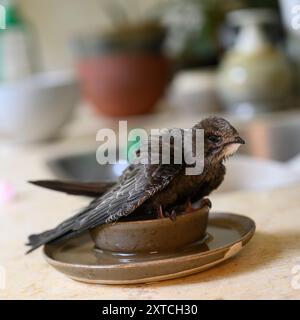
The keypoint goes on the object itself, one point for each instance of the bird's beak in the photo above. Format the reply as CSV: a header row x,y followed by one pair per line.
x,y
239,140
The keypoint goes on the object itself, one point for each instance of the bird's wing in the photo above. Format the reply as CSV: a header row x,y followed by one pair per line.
x,y
137,184
143,182
128,172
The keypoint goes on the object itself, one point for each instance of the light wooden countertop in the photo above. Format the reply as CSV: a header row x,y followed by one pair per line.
x,y
262,270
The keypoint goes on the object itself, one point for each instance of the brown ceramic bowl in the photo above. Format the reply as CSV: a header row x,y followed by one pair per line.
x,y
76,258
152,235
124,84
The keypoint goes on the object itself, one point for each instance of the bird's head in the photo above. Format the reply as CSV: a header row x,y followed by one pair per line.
x,y
221,139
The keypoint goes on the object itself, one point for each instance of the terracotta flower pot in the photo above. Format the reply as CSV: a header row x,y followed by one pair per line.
x,y
124,84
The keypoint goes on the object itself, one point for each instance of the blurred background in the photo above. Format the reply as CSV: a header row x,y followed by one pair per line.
x,y
71,67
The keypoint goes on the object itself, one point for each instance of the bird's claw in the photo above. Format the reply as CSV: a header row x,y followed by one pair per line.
x,y
189,207
205,203
171,215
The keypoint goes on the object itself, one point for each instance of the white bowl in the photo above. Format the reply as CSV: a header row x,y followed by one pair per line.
x,y
36,108
248,173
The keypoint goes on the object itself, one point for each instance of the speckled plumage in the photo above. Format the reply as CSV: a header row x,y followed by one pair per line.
x,y
149,186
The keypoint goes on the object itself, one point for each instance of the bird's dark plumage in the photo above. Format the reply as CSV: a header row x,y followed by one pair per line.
x,y
147,186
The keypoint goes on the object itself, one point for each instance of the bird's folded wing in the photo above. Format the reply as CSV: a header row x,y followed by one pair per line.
x,y
121,200
124,198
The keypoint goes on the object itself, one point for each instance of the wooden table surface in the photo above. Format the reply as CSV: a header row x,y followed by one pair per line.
x,y
264,269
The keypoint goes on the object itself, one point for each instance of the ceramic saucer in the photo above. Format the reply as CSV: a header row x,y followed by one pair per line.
x,y
226,235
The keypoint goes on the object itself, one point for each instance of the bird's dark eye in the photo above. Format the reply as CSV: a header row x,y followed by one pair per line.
x,y
213,138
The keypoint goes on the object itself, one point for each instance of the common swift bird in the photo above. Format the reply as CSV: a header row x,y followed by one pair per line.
x,y
146,187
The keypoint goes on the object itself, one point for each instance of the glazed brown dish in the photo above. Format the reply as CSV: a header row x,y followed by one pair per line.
x,y
226,235
152,235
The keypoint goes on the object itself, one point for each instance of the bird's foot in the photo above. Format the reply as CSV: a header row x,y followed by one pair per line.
x,y
205,203
189,207
172,215
160,214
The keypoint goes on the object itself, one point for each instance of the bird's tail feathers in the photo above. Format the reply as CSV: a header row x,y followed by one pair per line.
x,y
68,229
90,189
